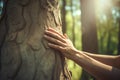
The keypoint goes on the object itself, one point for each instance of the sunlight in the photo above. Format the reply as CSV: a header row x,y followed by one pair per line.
x,y
103,2
103,5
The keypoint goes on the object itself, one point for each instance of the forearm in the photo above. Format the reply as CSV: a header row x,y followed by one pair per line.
x,y
95,65
106,59
99,70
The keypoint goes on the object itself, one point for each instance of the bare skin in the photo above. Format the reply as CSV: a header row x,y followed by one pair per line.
x,y
102,67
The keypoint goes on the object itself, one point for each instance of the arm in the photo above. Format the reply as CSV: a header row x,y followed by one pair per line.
x,y
97,69
88,62
106,59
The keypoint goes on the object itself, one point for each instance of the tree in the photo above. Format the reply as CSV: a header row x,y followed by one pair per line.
x,y
64,26
118,5
23,51
119,36
73,23
89,32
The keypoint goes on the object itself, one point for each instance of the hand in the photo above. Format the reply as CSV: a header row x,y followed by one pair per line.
x,y
60,42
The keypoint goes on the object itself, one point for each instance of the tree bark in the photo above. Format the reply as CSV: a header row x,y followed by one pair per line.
x,y
89,31
24,53
64,26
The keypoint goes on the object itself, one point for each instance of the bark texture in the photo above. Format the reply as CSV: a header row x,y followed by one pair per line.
x,y
24,53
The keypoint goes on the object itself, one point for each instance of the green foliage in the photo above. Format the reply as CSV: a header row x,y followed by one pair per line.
x,y
107,29
75,69
107,34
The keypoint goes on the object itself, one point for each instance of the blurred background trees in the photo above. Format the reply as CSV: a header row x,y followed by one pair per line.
x,y
92,25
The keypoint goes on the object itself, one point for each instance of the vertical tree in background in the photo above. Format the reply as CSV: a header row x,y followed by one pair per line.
x,y
73,23
89,32
109,30
64,26
119,28
117,4
24,54
119,36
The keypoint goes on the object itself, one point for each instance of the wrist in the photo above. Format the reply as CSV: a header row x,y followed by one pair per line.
x,y
74,54
77,55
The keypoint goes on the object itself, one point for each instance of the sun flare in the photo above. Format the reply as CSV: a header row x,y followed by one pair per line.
x,y
102,5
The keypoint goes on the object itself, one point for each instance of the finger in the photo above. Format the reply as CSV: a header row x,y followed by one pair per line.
x,y
53,40
49,33
57,47
54,31
66,35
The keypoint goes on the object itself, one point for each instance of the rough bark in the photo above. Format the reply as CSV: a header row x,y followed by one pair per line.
x,y
24,53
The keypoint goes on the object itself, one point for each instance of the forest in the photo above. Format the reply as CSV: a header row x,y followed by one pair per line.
x,y
105,15
92,25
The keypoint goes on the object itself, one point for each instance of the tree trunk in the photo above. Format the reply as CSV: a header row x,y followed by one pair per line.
x,y
64,26
119,29
119,36
108,51
73,23
24,53
89,32
116,3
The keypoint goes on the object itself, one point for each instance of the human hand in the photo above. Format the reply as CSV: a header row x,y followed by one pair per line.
x,y
60,42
